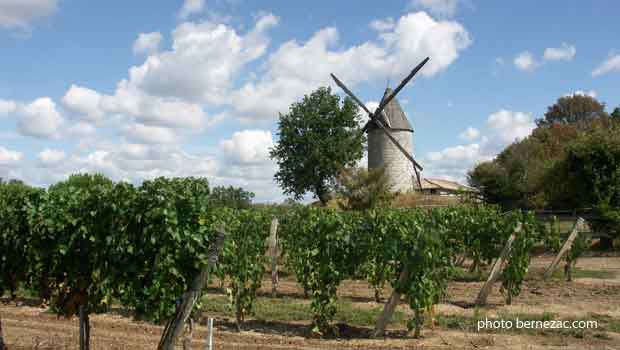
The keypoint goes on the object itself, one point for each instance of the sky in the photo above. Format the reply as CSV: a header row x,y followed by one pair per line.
x,y
140,89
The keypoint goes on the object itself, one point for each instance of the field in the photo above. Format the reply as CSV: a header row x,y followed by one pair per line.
x,y
283,322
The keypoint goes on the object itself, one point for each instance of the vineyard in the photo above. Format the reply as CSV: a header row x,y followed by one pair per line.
x,y
89,245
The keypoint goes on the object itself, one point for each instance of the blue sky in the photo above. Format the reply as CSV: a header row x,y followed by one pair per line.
x,y
138,89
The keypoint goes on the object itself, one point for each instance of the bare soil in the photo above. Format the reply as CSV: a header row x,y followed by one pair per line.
x,y
32,327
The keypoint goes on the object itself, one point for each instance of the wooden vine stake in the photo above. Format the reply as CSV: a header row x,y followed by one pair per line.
x,y
565,248
496,270
2,345
84,328
175,327
390,306
274,253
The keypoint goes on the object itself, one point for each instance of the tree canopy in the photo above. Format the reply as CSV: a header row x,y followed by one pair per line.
x,y
231,197
318,137
573,109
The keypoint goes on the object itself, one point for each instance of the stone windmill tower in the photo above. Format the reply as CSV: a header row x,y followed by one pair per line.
x,y
390,137
383,153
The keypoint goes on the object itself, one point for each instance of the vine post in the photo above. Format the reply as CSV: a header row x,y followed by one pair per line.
x,y
390,305
565,248
495,271
175,327
84,327
2,345
274,252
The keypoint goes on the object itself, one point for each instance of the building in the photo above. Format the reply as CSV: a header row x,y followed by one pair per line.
x,y
444,187
382,153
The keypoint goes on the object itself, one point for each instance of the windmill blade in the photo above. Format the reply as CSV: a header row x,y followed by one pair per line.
x,y
417,176
401,86
398,145
348,92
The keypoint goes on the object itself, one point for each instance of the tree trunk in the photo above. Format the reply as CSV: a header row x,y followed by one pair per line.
x,y
418,323
377,295
568,272
238,310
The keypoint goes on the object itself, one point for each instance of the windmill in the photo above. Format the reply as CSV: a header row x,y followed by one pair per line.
x,y
379,120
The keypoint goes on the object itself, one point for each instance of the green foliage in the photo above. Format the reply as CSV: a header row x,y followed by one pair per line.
x,y
574,109
243,256
231,197
318,138
70,241
322,252
361,189
593,165
616,113
519,258
15,198
166,244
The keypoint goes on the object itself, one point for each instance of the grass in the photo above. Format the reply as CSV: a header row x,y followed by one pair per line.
x,y
585,273
289,309
464,275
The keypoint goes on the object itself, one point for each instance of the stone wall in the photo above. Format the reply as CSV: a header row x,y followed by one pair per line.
x,y
383,153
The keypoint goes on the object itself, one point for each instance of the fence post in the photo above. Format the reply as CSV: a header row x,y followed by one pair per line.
x,y
495,271
84,328
274,252
2,345
565,247
175,327
209,345
390,305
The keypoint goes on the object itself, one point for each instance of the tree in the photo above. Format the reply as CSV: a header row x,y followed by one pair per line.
x,y
573,109
616,113
231,197
318,138
363,189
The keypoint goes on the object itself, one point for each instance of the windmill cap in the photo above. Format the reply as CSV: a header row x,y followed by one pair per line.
x,y
397,120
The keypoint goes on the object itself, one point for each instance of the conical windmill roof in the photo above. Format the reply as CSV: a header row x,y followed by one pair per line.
x,y
397,120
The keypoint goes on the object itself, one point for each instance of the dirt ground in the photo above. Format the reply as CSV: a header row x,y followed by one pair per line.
x,y
31,327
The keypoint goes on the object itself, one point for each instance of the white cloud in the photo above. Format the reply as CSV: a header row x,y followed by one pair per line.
x,y
248,146
499,60
20,13
525,61
51,157
147,43
287,77
150,134
446,8
40,119
612,64
191,7
470,134
590,93
503,128
383,25
204,59
83,101
7,156
7,107
565,52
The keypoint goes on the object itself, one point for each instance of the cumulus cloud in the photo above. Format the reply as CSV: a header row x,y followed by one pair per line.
x,y
612,64
51,157
287,77
7,156
7,107
470,134
446,8
525,61
502,128
150,134
565,52
21,13
204,59
192,7
40,118
147,43
590,93
383,25
248,146
84,102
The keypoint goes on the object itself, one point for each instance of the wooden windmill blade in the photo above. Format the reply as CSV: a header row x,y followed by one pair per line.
x,y
374,116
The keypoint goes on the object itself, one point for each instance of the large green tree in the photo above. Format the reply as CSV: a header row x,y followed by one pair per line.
x,y
231,197
573,109
318,137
